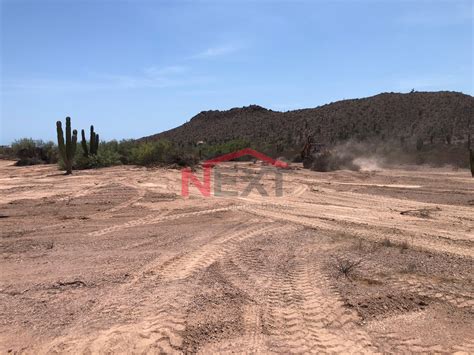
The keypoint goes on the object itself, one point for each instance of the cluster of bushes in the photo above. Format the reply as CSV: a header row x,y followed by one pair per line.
x,y
30,152
154,153
106,156
127,152
131,152
209,151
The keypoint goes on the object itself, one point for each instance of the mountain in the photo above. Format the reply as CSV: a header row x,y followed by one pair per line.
x,y
431,116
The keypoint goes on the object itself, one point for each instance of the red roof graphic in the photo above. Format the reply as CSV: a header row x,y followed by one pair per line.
x,y
243,152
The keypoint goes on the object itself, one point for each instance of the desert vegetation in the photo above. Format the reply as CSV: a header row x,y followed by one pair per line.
x,y
93,145
416,128
351,155
434,118
67,145
387,129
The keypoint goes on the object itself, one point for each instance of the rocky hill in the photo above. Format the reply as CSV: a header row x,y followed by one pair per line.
x,y
431,116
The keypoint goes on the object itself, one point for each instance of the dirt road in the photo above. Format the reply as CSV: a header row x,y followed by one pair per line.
x,y
115,260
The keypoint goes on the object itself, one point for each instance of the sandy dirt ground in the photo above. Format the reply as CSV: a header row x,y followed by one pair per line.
x,y
115,260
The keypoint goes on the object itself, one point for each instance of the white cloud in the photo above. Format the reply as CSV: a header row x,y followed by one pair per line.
x,y
169,70
152,77
218,51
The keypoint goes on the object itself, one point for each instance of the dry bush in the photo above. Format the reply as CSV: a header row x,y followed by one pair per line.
x,y
346,267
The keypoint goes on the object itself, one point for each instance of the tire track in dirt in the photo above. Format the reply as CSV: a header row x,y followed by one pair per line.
x,y
179,268
130,202
102,214
385,212
251,339
297,310
363,230
160,332
251,342
213,251
165,332
304,316
83,192
390,342
156,218
288,303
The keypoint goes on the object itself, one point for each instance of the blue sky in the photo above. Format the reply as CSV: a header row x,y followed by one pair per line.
x,y
134,68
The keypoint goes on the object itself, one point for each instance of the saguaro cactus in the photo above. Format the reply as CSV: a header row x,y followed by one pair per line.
x,y
93,144
96,143
67,149
84,143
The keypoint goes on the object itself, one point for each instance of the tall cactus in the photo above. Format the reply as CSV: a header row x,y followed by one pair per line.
x,y
92,141
67,149
93,144
84,144
96,141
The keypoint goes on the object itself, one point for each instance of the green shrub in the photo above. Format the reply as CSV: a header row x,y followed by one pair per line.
x,y
24,146
151,153
107,155
30,152
212,151
50,151
183,158
104,158
6,152
124,149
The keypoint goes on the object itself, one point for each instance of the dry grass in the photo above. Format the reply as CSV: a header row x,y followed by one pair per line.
x,y
346,267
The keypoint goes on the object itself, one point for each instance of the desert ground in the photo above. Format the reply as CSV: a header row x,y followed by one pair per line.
x,y
115,260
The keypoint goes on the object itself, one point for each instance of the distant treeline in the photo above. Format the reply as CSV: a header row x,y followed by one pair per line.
x,y
28,151
163,152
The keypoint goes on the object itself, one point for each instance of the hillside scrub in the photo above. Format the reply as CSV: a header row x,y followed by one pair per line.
x,y
210,151
425,118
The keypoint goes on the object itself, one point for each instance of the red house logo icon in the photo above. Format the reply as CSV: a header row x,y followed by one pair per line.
x,y
204,186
